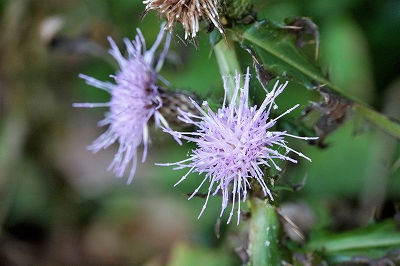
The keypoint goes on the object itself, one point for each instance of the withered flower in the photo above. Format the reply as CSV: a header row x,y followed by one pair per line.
x,y
187,12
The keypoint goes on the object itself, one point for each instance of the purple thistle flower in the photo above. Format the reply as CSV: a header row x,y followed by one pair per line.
x,y
135,99
233,144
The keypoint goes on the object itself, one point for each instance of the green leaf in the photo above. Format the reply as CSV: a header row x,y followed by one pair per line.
x,y
349,256
383,235
274,46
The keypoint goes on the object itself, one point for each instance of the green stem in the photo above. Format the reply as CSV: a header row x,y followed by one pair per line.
x,y
264,234
378,119
228,63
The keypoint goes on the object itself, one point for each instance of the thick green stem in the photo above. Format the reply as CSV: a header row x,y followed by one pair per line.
x,y
228,63
264,234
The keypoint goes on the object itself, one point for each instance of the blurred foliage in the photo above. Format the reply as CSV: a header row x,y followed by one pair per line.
x,y
60,206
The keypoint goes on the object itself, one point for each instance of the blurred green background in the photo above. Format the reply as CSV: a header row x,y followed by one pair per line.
x,y
60,205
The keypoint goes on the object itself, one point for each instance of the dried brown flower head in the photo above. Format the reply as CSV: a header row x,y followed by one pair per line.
x,y
187,12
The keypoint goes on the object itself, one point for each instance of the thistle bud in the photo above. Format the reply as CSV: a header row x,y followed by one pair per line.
x,y
239,10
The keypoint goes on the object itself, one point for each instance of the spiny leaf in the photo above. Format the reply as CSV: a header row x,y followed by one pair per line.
x,y
276,50
275,54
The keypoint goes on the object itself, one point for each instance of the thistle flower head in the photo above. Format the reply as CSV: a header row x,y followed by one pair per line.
x,y
187,12
233,144
134,100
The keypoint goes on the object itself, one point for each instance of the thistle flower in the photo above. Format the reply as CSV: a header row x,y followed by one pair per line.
x,y
233,144
187,12
135,99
